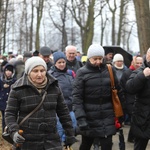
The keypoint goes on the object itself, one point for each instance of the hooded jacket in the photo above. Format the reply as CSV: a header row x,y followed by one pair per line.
x,y
5,86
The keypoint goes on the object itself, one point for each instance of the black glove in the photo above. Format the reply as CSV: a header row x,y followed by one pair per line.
x,y
69,141
83,125
17,138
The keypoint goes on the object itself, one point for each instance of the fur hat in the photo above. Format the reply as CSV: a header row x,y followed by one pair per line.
x,y
33,62
118,57
58,55
95,50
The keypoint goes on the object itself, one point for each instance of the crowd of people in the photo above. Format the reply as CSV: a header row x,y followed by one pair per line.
x,y
78,99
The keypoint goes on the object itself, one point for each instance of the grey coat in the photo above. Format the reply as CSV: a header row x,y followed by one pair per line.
x,y
39,129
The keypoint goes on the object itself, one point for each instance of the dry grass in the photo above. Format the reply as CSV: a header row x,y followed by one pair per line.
x,y
3,144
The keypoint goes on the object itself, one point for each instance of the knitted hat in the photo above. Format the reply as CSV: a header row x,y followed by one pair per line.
x,y
45,51
33,62
9,67
95,50
118,57
58,55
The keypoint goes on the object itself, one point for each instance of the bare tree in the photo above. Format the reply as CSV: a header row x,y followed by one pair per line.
x,y
60,24
113,11
83,13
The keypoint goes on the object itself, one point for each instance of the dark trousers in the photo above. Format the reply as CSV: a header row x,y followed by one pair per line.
x,y
3,119
140,144
105,143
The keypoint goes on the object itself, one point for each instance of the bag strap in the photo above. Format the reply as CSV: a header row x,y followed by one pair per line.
x,y
35,109
111,76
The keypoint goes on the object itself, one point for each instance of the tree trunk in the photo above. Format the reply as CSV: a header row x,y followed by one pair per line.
x,y
39,17
31,27
120,22
5,25
143,24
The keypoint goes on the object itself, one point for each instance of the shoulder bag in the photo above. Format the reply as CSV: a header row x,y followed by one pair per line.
x,y
115,99
6,135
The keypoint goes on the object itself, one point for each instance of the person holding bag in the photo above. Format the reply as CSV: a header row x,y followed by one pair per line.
x,y
39,130
92,100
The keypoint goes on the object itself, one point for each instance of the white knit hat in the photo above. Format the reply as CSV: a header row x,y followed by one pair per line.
x,y
118,57
33,62
95,50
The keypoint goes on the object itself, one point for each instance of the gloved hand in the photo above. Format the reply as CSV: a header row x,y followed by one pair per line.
x,y
117,123
17,138
83,125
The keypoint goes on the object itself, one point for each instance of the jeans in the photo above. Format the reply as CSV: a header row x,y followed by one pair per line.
x,y
60,128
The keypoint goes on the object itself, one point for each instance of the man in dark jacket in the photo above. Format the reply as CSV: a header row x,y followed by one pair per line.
x,y
139,84
45,54
92,100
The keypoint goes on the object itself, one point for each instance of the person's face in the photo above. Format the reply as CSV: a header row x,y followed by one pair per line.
x,y
71,54
96,60
119,63
109,56
45,58
61,64
38,74
8,73
138,63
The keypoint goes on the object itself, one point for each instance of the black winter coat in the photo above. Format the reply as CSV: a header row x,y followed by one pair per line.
x,y
75,65
140,85
40,129
129,98
92,100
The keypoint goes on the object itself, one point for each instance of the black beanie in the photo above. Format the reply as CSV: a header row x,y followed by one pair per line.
x,y
9,67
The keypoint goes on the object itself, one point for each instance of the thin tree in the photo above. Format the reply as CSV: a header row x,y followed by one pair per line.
x,y
5,25
39,8
31,26
60,22
83,14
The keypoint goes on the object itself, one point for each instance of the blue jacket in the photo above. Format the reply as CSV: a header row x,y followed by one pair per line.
x,y
65,81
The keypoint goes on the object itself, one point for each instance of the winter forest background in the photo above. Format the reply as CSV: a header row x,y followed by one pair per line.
x,y
26,25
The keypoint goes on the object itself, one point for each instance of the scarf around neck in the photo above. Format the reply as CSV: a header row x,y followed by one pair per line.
x,y
39,87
